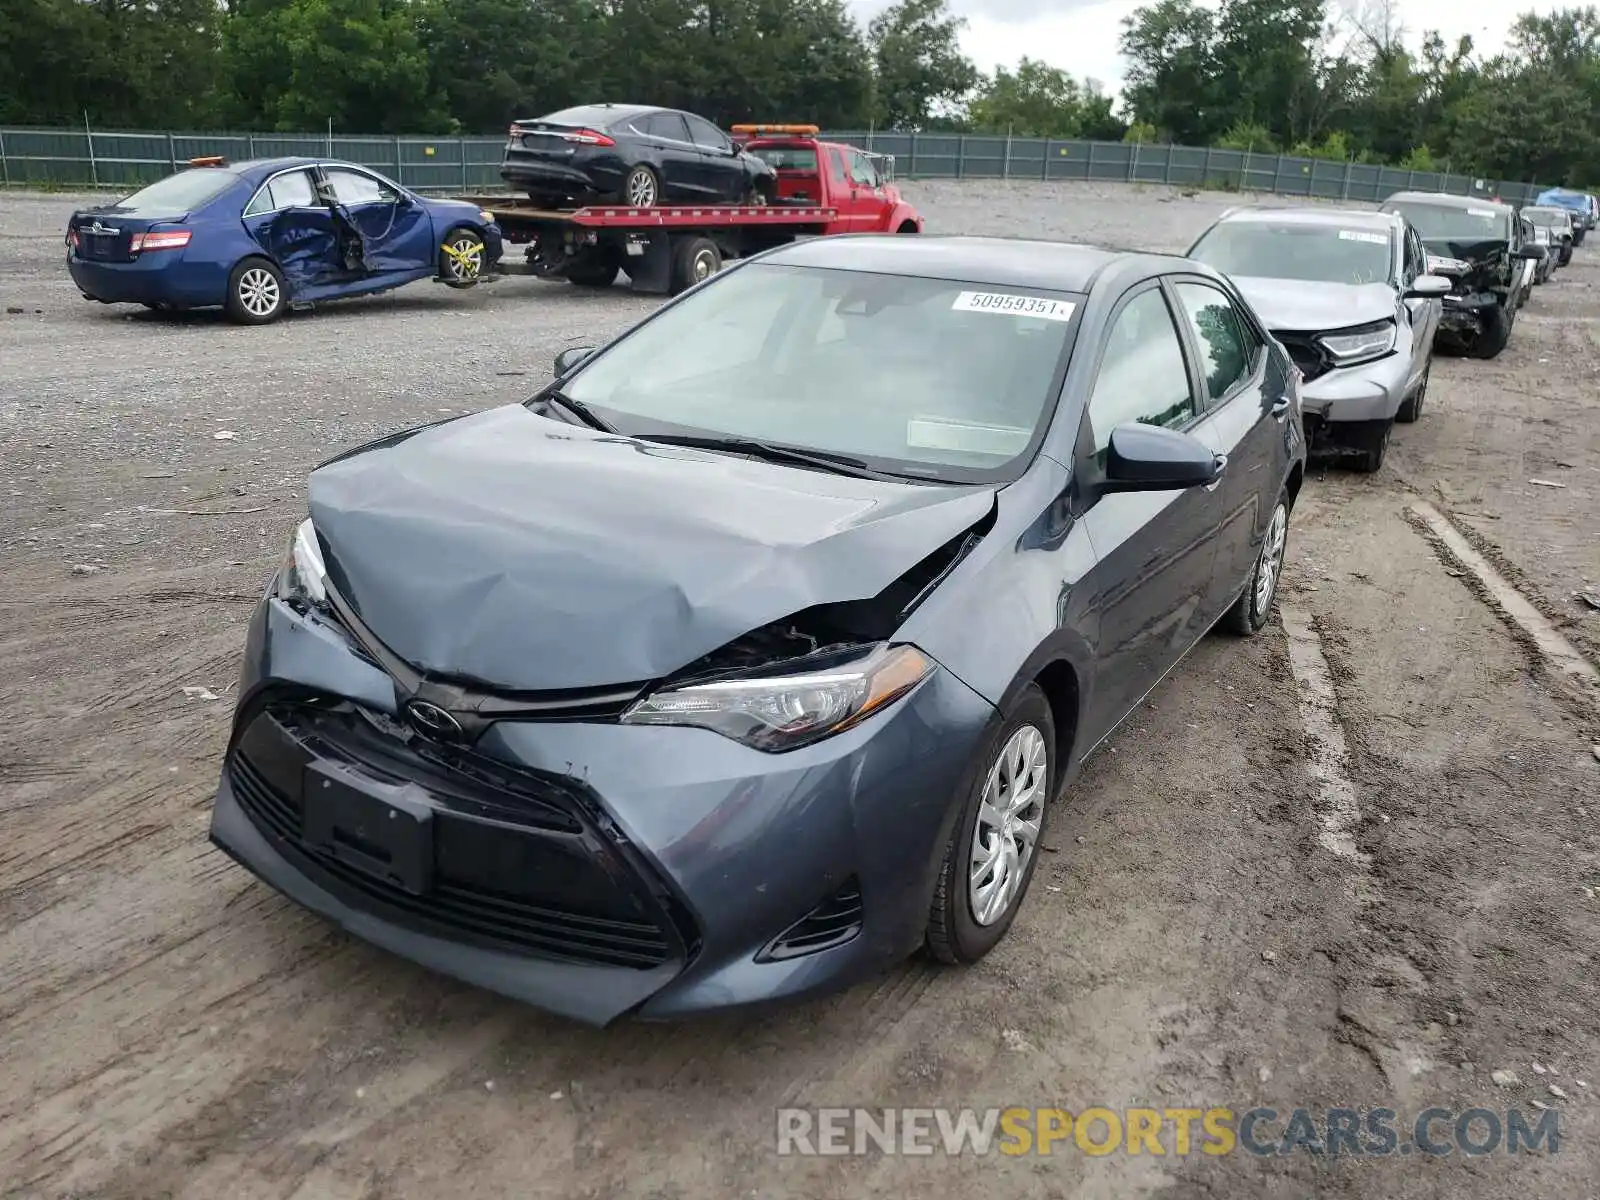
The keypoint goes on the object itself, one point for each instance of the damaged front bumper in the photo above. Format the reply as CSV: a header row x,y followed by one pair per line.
x,y
1465,316
1352,397
587,867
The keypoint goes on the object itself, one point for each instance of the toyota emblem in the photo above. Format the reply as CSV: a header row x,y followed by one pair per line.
x,y
431,719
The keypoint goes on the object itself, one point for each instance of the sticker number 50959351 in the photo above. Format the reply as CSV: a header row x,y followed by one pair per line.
x,y
1014,306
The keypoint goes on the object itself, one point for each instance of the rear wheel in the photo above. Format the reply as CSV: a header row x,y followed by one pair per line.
x,y
695,259
257,294
1250,611
461,258
1412,408
642,188
593,272
989,860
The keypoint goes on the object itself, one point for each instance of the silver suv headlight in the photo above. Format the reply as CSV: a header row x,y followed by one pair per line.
x,y
1361,344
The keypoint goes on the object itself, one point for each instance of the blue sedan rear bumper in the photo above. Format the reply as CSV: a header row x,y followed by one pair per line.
x,y
685,857
161,278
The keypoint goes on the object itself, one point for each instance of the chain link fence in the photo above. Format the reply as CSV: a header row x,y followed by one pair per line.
x,y
62,158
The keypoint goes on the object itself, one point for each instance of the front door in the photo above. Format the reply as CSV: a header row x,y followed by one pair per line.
x,y
1154,551
396,231
677,157
721,172
297,231
844,195
1422,312
1247,417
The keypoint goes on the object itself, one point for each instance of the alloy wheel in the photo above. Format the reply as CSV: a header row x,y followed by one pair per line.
x,y
1007,831
1271,559
259,294
464,257
641,189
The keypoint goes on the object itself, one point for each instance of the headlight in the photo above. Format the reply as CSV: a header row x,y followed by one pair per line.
x,y
783,712
1359,345
303,576
486,216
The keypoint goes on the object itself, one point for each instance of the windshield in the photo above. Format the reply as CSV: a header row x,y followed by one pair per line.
x,y
1436,223
923,377
1546,217
177,194
1290,250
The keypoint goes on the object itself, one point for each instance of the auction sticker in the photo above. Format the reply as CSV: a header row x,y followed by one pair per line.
x,y
1482,212
1361,235
1014,306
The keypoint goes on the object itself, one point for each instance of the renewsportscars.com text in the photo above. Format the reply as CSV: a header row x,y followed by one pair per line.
x,y
1176,1132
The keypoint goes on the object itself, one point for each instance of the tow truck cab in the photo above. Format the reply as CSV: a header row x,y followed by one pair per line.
x,y
857,184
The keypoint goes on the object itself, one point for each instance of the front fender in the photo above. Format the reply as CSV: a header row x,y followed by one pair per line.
x,y
901,214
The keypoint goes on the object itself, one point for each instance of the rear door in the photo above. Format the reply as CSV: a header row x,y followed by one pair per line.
x,y
1155,551
677,158
721,171
396,231
296,230
1246,414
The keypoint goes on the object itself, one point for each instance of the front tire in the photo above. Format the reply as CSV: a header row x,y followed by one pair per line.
x,y
1250,611
994,847
1496,333
1412,408
1373,446
257,293
461,258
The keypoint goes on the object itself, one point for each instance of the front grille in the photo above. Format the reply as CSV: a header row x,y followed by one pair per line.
x,y
506,875
1305,353
832,923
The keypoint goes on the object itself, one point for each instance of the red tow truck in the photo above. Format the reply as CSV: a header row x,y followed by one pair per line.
x,y
823,188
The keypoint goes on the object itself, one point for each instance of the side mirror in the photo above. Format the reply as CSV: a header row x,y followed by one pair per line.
x,y
571,357
1428,287
1149,458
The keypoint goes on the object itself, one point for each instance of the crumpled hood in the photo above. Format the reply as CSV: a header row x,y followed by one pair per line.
x,y
1294,305
525,554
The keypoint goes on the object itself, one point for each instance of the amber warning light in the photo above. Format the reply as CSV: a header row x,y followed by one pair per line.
x,y
759,130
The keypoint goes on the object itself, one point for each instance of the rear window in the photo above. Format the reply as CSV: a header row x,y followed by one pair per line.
x,y
178,194
787,158
592,115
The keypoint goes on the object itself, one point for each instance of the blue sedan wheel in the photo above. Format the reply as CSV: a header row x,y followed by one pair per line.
x,y
461,258
257,293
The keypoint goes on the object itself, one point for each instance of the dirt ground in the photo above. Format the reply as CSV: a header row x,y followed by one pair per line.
x,y
1352,862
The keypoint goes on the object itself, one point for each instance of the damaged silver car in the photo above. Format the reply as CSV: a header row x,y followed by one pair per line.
x,y
1350,296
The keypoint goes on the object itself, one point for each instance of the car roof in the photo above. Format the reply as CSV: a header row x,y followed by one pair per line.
x,y
255,169
1448,200
1360,218
603,114
997,261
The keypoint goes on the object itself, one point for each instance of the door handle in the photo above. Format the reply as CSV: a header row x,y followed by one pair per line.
x,y
1280,407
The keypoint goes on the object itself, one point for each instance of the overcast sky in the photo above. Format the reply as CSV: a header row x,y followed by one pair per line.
x,y
1080,36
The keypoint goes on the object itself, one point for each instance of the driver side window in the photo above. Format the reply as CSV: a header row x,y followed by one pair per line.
x,y
862,172
1143,375
351,187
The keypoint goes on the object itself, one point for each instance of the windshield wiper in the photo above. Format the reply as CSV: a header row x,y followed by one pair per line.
x,y
823,460
577,408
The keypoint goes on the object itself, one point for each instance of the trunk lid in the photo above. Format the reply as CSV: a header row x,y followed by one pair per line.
x,y
106,233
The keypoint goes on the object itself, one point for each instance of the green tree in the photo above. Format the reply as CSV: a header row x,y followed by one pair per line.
x,y
298,64
921,73
1038,100
1172,81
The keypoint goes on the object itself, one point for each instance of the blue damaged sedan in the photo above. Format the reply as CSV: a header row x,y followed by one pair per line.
x,y
756,652
256,238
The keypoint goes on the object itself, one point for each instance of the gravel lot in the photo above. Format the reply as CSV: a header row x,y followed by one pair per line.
x,y
1353,862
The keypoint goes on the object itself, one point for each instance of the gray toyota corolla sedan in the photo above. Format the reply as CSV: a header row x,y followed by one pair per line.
x,y
754,653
